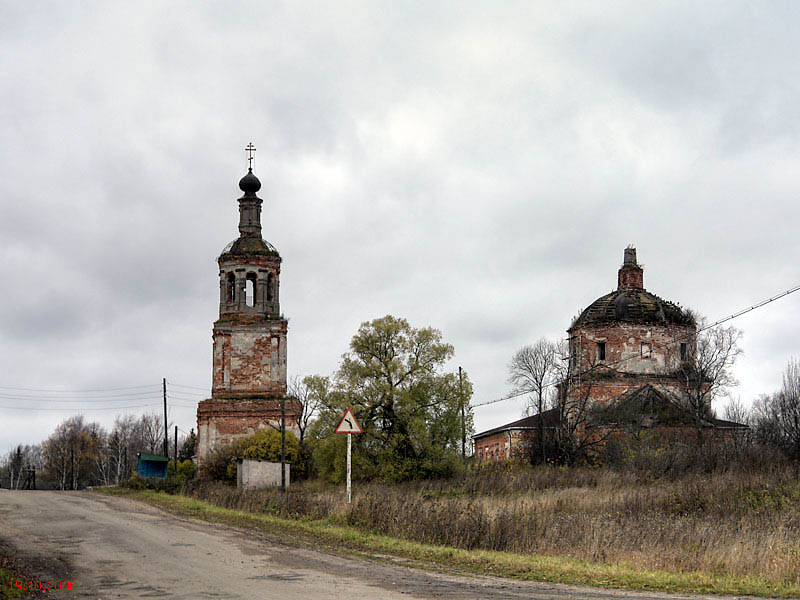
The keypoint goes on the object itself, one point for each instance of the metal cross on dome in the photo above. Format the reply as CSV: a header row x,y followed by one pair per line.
x,y
250,149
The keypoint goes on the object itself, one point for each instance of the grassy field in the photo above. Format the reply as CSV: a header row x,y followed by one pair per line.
x,y
726,533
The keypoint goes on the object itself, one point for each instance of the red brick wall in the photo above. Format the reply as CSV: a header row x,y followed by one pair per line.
x,y
250,359
627,365
630,278
220,422
249,356
492,447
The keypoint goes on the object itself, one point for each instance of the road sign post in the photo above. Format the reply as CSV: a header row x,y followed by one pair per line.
x,y
349,425
349,467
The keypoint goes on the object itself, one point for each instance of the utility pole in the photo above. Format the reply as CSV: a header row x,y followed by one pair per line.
x,y
176,451
166,438
463,422
283,443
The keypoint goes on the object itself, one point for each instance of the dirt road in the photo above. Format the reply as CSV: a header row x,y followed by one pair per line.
x,y
118,548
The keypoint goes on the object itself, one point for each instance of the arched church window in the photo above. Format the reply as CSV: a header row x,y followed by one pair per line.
x,y
231,287
250,289
270,287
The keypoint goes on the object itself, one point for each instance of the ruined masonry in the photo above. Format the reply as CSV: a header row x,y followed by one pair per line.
x,y
249,370
634,350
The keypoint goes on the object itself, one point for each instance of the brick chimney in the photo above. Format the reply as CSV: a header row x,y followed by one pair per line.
x,y
631,276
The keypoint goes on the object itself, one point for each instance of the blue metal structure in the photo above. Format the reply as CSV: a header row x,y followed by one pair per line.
x,y
152,465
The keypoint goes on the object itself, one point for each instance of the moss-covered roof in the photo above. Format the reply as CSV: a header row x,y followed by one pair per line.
x,y
633,306
153,457
249,246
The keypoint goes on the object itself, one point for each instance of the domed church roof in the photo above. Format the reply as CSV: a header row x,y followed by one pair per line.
x,y
250,245
631,303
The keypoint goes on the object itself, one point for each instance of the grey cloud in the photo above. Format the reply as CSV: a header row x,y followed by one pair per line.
x,y
478,170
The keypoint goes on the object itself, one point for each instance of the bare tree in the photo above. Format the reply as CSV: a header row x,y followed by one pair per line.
x,y
150,431
764,419
534,370
736,411
705,372
69,453
121,447
103,455
311,394
581,429
788,410
17,463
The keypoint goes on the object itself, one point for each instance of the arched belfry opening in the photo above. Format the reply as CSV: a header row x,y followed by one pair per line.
x,y
250,290
230,288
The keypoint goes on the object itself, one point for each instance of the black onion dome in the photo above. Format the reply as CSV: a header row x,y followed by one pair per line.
x,y
249,184
633,306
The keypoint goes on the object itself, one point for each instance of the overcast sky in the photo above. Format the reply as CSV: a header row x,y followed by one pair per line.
x,y
475,167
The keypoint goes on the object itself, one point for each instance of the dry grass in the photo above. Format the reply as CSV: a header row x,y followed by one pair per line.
x,y
743,524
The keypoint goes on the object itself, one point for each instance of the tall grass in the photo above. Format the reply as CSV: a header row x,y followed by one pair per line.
x,y
744,523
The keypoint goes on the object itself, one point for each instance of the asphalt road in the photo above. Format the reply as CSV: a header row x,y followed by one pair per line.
x,y
119,548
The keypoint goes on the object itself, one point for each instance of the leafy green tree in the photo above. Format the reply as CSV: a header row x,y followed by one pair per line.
x,y
410,409
187,448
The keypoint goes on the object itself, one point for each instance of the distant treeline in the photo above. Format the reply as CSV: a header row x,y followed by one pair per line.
x,y
80,454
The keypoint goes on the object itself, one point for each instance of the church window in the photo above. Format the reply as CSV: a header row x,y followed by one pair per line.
x,y
683,352
601,350
250,289
270,287
646,350
231,287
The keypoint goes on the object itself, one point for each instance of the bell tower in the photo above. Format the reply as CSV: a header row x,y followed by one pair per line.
x,y
249,337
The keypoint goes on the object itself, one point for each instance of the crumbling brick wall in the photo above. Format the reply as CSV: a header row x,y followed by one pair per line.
x,y
635,355
220,420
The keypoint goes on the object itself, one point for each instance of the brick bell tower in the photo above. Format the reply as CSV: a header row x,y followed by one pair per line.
x,y
249,367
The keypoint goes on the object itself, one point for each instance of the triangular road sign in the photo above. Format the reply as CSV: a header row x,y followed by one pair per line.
x,y
349,424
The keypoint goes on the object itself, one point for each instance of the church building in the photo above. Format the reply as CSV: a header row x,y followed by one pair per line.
x,y
249,337
629,354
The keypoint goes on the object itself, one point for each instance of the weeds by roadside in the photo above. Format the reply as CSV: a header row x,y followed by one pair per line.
x,y
8,575
558,569
737,523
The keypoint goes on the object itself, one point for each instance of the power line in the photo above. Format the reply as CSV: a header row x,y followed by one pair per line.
x,y
193,400
189,393
188,387
34,408
714,324
135,387
747,310
127,398
81,395
183,394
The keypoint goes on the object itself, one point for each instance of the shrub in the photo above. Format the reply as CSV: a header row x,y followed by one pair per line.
x,y
264,445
